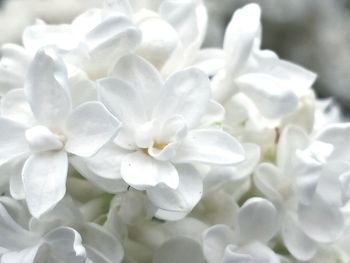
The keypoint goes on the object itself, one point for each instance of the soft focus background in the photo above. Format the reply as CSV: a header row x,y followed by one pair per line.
x,y
312,33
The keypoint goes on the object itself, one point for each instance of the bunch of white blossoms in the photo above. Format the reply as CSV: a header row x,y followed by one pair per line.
x,y
122,140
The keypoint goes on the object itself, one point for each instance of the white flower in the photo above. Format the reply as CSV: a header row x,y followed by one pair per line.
x,y
309,185
161,136
56,130
257,222
172,31
272,84
60,236
92,43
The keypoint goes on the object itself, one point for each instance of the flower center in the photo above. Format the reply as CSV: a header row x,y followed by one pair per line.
x,y
159,145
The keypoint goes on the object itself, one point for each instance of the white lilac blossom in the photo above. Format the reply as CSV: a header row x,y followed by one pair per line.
x,y
123,140
62,235
38,141
162,134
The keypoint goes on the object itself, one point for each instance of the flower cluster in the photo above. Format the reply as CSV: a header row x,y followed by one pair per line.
x,y
123,140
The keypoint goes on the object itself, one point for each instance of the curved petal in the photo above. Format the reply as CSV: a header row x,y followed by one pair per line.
x,y
66,246
257,220
88,128
47,89
142,171
189,18
269,180
142,76
292,138
186,93
321,221
100,245
14,105
12,140
159,38
103,168
337,135
123,100
272,96
112,37
214,116
215,241
44,179
14,236
13,67
296,241
209,146
240,34
119,6
184,197
258,252
232,255
16,181
209,60
28,255
290,74
178,250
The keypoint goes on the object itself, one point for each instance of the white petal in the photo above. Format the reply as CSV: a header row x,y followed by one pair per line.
x,y
189,18
159,38
209,146
321,221
123,100
179,250
142,75
252,158
291,139
232,255
28,255
215,240
214,116
239,37
44,179
272,96
186,93
337,135
257,220
269,180
103,168
209,60
13,236
299,78
41,139
82,89
259,253
65,246
141,171
47,89
119,6
39,36
101,245
112,37
309,171
12,140
13,67
132,207
296,241
16,181
88,128
14,105
184,197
